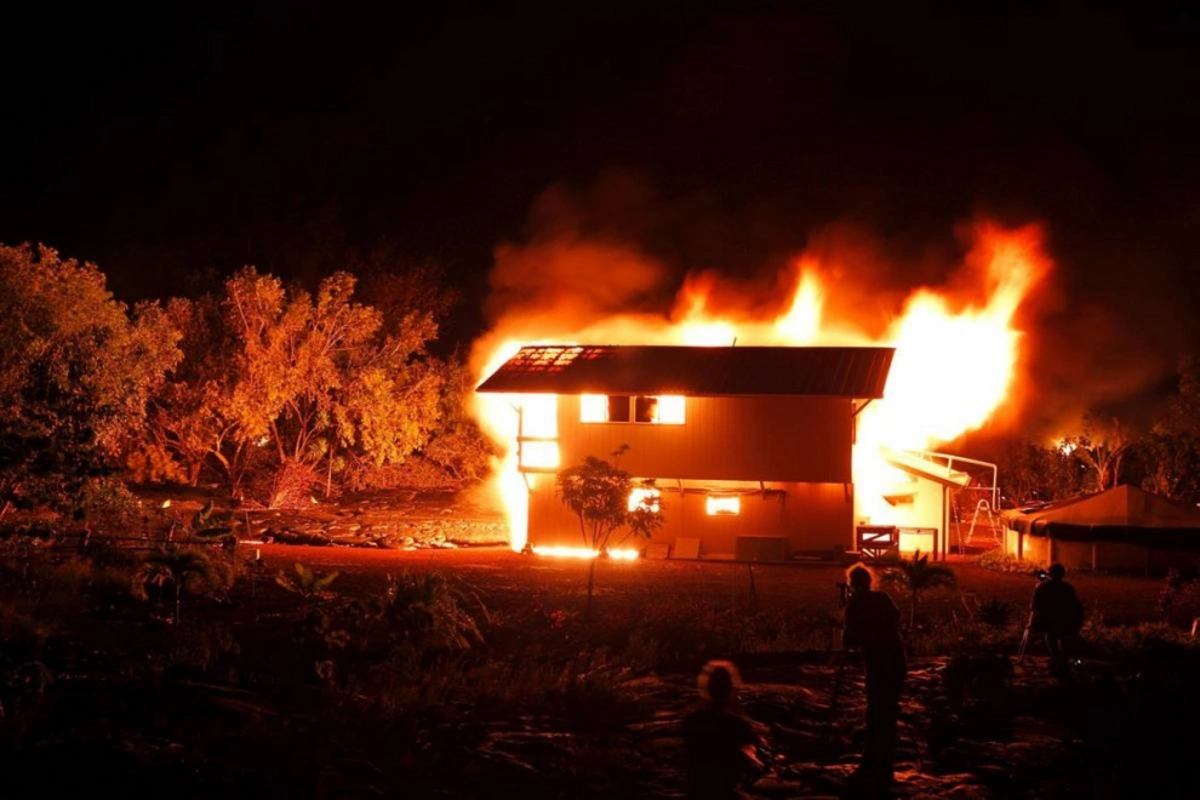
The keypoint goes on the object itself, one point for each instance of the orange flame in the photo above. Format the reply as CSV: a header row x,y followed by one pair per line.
x,y
957,359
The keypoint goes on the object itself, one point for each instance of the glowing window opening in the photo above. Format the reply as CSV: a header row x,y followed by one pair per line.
x,y
650,499
723,505
671,409
638,409
593,408
539,455
539,415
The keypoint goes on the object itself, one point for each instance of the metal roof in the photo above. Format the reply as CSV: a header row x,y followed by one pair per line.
x,y
855,372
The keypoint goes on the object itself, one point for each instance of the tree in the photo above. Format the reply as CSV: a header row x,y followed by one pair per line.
x,y
1030,472
599,493
188,421
316,373
77,372
916,574
1172,451
457,444
1102,446
301,381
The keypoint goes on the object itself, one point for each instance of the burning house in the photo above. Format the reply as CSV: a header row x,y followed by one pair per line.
x,y
772,430
750,447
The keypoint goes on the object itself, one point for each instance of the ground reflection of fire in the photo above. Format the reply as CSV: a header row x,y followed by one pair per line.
x,y
957,358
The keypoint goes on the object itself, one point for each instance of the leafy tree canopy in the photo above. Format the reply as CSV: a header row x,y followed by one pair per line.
x,y
76,373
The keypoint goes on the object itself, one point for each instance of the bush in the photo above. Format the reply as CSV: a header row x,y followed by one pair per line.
x,y
1131,641
192,571
291,485
1179,600
107,505
1001,561
415,473
958,639
996,613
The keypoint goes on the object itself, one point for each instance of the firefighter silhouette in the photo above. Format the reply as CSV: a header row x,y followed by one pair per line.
x,y
872,627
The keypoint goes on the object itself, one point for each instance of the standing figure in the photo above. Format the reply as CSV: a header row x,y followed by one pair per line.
x,y
1056,613
720,742
872,627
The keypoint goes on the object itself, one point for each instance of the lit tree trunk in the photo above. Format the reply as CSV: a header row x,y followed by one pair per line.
x,y
329,472
197,464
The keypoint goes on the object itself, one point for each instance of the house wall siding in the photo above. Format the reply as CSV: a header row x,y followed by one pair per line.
x,y
808,517
791,439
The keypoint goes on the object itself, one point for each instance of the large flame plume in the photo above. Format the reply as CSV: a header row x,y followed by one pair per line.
x,y
958,347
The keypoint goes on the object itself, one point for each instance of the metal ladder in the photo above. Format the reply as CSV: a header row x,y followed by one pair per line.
x,y
986,507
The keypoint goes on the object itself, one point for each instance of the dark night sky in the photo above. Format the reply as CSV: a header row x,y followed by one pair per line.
x,y
164,142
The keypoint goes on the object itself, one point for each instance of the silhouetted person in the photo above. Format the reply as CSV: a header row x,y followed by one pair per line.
x,y
1056,614
720,741
872,627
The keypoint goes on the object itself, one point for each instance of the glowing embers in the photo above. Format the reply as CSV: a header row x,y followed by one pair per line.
x,y
649,499
652,409
616,554
723,505
537,438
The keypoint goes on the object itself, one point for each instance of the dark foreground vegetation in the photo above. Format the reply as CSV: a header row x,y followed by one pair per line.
x,y
203,669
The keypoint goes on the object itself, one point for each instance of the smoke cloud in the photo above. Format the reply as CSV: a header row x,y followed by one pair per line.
x,y
612,258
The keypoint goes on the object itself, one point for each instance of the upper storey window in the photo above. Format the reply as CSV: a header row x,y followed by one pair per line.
x,y
650,409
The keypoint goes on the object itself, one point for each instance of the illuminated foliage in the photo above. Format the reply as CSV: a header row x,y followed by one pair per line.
x,y
299,382
1032,473
188,421
458,445
76,374
1102,447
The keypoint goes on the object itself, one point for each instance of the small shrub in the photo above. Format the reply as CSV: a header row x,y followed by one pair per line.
x,y
1179,599
946,637
289,485
311,585
1132,641
995,613
432,612
107,505
680,636
587,694
184,571
201,648
1000,561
